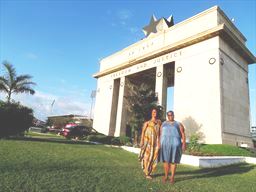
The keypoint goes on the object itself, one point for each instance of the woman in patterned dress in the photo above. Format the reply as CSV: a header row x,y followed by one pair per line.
x,y
150,143
173,142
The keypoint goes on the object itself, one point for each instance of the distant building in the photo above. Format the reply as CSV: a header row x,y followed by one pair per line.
x,y
253,132
38,123
253,129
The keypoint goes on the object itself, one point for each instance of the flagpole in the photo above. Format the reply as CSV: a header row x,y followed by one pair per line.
x,y
52,105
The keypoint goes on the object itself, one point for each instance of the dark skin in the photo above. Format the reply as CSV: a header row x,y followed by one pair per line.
x,y
153,119
172,166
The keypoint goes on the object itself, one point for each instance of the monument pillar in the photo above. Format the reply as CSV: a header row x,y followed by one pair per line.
x,y
121,112
161,86
114,105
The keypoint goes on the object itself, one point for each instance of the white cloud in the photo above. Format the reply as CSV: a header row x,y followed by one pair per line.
x,y
124,14
123,23
31,56
63,81
133,29
70,106
41,103
113,24
123,18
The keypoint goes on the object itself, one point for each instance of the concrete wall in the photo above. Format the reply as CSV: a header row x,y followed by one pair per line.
x,y
103,103
235,97
211,93
197,90
222,18
185,29
114,107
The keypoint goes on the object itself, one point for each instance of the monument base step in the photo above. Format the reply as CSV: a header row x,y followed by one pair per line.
x,y
205,161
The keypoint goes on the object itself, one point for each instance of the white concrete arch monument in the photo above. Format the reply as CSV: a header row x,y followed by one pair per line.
x,y
209,62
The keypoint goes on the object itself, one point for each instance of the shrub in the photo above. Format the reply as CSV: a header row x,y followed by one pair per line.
x,y
124,140
115,141
100,138
194,146
14,119
44,130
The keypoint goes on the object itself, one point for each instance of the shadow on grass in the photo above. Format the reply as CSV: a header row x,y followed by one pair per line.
x,y
212,172
52,140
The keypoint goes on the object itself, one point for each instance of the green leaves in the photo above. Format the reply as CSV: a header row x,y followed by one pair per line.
x,y
11,83
14,118
139,100
194,146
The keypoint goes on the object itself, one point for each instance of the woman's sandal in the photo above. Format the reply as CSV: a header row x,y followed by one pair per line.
x,y
172,180
148,177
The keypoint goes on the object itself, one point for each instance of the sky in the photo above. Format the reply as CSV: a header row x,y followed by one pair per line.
x,y
61,42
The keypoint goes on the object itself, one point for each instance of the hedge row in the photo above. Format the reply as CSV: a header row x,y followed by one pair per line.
x,y
123,140
14,119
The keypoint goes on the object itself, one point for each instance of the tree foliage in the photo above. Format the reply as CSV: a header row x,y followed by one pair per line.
x,y
11,83
14,119
194,145
140,100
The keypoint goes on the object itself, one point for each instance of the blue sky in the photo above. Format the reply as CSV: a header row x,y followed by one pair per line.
x,y
60,43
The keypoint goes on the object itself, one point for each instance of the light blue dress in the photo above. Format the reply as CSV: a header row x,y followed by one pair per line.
x,y
171,149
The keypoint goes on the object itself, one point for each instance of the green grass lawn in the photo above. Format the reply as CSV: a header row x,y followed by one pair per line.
x,y
205,150
226,150
70,166
221,150
44,135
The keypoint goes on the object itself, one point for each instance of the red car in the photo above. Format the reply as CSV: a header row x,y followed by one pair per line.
x,y
74,131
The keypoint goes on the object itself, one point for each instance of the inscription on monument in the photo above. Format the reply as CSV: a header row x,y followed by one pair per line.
x,y
140,49
169,57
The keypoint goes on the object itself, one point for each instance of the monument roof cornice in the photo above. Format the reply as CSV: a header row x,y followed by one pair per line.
x,y
177,25
222,30
214,8
237,45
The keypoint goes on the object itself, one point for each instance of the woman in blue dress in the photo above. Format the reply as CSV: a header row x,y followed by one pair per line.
x,y
173,142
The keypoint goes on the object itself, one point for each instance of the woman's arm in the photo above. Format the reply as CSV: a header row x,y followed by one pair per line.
x,y
143,133
183,137
159,134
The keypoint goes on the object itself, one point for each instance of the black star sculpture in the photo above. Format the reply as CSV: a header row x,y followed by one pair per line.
x,y
151,28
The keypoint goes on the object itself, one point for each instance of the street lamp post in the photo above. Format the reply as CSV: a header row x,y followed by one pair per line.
x,y
93,95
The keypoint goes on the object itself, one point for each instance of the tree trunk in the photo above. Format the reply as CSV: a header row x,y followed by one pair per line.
x,y
9,97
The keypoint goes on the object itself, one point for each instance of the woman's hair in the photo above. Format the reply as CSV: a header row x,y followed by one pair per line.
x,y
150,112
170,112
154,108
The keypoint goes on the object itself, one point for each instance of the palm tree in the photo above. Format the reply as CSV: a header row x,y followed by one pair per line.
x,y
11,83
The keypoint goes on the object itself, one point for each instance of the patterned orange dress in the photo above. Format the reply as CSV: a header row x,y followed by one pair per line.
x,y
149,151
